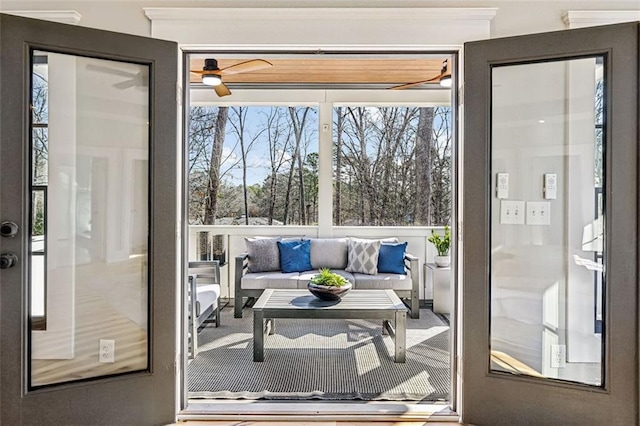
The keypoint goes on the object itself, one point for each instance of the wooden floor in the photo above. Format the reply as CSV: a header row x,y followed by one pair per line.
x,y
311,423
99,314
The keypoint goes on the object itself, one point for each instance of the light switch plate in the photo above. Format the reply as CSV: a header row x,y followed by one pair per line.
x,y
512,212
538,213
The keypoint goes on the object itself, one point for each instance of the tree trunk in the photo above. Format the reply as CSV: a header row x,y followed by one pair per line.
x,y
298,127
245,194
338,195
211,196
423,164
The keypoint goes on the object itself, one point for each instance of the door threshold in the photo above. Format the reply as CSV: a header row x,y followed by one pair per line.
x,y
319,410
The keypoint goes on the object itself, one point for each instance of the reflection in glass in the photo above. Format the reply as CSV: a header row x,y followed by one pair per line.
x,y
547,228
89,218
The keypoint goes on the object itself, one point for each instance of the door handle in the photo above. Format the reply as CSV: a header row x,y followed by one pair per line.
x,y
8,260
8,229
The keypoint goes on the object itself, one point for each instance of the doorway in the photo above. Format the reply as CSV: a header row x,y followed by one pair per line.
x,y
333,101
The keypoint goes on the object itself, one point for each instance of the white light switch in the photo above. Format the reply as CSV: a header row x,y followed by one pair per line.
x,y
550,186
502,185
512,212
538,213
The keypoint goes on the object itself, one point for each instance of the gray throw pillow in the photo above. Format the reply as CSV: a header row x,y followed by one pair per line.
x,y
363,256
329,253
264,255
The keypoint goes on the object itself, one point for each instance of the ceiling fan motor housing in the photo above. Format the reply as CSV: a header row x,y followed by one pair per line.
x,y
210,65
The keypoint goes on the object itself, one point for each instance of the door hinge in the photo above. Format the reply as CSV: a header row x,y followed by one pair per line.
x,y
459,230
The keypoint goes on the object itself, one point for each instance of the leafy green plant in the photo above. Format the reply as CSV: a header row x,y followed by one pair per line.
x,y
441,242
327,278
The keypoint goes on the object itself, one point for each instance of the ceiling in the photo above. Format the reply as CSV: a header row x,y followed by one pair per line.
x,y
330,70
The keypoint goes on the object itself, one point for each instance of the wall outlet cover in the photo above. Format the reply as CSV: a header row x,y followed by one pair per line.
x,y
107,350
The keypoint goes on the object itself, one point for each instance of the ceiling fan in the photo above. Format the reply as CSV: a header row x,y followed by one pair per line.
x,y
212,75
444,78
134,79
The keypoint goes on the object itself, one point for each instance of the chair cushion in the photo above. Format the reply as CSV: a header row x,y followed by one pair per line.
x,y
295,256
207,295
363,256
382,281
329,253
391,258
262,280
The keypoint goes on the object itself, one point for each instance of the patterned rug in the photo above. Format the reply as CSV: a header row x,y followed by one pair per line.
x,y
321,359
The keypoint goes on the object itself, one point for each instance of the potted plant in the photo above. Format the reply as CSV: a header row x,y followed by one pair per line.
x,y
327,285
442,243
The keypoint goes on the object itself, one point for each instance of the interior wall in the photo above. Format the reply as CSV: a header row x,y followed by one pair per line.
x,y
512,18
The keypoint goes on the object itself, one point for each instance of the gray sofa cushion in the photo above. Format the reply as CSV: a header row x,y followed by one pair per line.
x,y
262,280
382,281
329,253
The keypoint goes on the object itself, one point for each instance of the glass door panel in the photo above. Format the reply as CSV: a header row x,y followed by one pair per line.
x,y
89,288
547,241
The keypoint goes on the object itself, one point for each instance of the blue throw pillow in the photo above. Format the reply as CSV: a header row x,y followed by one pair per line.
x,y
391,258
295,256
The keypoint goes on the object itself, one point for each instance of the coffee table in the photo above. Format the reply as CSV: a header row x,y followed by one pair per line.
x,y
357,304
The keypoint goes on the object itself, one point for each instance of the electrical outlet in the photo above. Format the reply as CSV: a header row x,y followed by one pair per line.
x,y
558,356
107,350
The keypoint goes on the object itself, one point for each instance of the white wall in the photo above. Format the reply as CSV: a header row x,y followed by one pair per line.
x,y
514,17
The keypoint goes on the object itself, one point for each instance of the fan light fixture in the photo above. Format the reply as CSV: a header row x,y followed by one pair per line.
x,y
445,80
211,79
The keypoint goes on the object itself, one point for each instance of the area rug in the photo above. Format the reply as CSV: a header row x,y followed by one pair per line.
x,y
321,359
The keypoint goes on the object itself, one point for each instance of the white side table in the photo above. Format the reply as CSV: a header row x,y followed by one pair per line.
x,y
440,281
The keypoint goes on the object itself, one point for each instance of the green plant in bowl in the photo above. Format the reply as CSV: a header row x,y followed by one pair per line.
x,y
327,285
327,278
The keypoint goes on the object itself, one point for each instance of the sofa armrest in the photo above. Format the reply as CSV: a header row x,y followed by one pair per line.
x,y
242,264
411,263
241,269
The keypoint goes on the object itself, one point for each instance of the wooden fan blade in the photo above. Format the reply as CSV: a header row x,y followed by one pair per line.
x,y
205,72
109,70
126,84
247,66
222,90
417,83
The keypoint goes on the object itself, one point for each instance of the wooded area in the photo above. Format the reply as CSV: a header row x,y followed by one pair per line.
x,y
259,165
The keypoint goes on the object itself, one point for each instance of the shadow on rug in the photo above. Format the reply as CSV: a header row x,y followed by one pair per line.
x,y
321,359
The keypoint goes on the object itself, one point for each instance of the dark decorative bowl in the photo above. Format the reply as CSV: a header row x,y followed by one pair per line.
x,y
325,292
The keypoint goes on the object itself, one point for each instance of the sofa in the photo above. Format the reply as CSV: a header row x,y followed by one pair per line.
x,y
289,263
